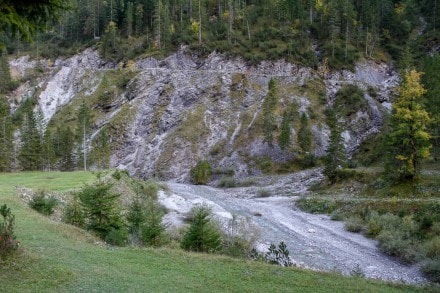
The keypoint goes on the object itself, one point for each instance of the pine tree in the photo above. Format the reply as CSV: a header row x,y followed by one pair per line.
x,y
431,67
304,134
63,144
101,150
409,139
5,75
100,206
111,47
6,136
284,139
31,152
49,157
202,235
82,133
269,105
335,158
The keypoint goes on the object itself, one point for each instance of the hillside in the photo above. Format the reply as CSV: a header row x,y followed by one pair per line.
x,y
162,116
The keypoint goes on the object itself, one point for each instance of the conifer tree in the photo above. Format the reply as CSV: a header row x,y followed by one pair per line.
x,y
269,105
64,142
6,136
101,209
335,158
409,140
82,133
304,134
5,74
110,47
31,157
284,139
49,158
101,150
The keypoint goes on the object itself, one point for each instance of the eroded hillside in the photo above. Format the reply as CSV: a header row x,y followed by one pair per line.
x,y
163,116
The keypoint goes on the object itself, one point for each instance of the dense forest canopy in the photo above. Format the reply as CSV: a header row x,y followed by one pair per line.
x,y
339,30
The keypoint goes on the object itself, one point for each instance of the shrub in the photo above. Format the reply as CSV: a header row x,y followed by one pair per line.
x,y
278,256
117,237
432,270
354,224
395,244
227,182
43,204
202,235
349,99
74,214
308,161
201,173
264,193
151,189
357,271
8,243
374,226
240,238
432,248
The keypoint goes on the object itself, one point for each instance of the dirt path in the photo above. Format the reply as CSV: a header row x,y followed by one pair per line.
x,y
314,241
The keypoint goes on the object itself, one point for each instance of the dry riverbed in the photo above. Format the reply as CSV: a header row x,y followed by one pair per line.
x,y
314,241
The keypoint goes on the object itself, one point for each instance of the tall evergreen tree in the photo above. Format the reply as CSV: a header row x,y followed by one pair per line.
x,y
101,150
63,143
31,151
409,140
336,156
269,106
82,133
284,139
6,136
49,158
304,134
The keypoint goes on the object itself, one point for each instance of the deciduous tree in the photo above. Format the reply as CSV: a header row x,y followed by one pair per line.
x,y
409,139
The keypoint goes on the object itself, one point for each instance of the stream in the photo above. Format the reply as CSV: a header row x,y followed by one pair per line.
x,y
314,241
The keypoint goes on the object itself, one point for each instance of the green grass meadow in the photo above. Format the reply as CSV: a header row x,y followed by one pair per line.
x,y
61,258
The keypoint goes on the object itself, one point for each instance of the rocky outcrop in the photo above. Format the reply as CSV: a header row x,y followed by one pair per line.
x,y
185,108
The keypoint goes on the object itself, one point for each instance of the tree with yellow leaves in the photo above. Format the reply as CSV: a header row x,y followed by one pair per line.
x,y
409,139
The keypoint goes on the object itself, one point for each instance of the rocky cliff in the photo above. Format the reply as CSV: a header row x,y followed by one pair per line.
x,y
165,115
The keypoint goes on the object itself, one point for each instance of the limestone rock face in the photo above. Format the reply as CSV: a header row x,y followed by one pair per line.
x,y
185,108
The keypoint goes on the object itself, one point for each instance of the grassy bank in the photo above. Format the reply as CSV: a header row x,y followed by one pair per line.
x,y
59,257
404,218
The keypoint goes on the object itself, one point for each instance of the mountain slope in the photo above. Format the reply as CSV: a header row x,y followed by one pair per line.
x,y
165,115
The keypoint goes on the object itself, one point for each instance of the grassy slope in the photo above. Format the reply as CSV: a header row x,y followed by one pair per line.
x,y
60,257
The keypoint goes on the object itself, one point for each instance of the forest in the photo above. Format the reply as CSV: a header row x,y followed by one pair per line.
x,y
302,31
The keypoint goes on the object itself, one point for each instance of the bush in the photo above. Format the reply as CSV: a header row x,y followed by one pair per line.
x,y
374,226
8,243
151,189
354,224
227,182
432,248
74,214
349,99
117,237
394,243
240,238
43,204
278,256
432,270
201,173
264,193
202,235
